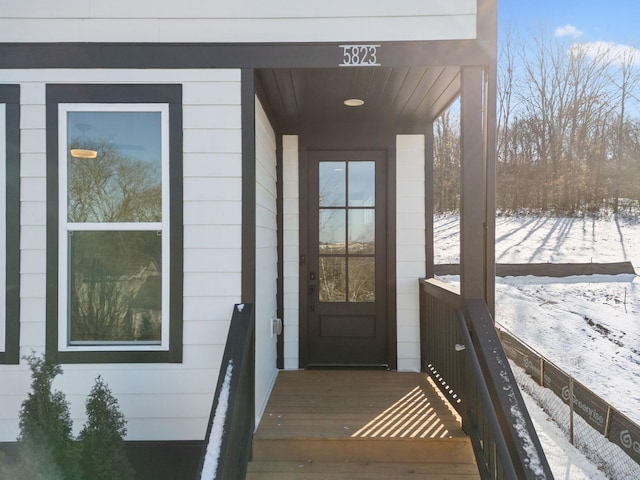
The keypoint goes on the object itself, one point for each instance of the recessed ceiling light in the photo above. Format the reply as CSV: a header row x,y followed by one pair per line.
x,y
83,153
353,102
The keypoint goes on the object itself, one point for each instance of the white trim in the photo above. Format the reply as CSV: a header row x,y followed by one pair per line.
x,y
64,227
3,226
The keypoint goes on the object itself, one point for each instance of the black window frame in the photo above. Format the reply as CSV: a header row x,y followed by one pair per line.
x,y
170,94
10,97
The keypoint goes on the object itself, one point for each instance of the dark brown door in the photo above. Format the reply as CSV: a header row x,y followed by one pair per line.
x,y
347,322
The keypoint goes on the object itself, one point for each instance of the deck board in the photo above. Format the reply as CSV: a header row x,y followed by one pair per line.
x,y
359,424
353,403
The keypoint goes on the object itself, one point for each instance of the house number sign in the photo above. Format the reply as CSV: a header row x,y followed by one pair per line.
x,y
359,56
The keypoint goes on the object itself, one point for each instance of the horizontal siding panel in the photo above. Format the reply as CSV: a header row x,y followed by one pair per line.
x,y
213,236
409,253
33,141
33,165
409,220
33,189
412,270
203,188
167,429
218,93
33,309
167,405
212,164
218,309
144,382
204,355
32,117
33,237
32,212
33,261
247,8
412,189
338,29
410,204
214,284
31,93
211,116
32,284
212,260
408,334
411,237
213,213
32,334
9,430
221,141
210,332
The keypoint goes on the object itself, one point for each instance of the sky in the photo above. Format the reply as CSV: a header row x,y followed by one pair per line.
x,y
604,25
585,20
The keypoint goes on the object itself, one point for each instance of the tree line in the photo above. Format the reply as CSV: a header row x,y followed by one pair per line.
x,y
568,130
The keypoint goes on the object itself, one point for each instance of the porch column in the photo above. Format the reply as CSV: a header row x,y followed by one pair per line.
x,y
476,244
428,206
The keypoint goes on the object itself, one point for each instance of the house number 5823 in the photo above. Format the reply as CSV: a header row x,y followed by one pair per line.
x,y
359,56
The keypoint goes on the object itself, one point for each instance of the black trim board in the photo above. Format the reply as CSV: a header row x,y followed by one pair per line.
x,y
248,110
245,55
136,93
10,97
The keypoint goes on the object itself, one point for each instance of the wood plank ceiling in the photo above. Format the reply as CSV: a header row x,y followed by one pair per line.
x,y
406,98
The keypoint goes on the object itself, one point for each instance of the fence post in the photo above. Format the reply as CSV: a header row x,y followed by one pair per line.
x,y
571,410
607,423
541,371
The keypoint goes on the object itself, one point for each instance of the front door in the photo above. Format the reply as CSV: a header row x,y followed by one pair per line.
x,y
346,274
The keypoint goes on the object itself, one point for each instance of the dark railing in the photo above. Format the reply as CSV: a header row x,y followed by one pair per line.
x,y
461,350
227,446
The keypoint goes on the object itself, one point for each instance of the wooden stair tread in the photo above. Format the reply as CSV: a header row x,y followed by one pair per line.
x,y
360,470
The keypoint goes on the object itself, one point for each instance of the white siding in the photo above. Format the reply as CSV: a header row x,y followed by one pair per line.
x,y
266,259
410,246
291,254
160,401
240,21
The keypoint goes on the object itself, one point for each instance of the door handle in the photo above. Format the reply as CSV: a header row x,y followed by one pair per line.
x,y
312,298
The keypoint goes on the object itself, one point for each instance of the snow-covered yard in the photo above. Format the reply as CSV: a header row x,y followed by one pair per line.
x,y
587,325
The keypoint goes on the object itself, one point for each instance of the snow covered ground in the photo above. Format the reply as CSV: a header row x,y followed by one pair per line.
x,y
587,325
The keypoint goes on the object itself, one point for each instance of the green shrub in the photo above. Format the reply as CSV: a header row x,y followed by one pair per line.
x,y
102,450
47,448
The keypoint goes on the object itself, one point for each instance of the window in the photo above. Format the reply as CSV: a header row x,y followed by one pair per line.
x,y
10,223
118,295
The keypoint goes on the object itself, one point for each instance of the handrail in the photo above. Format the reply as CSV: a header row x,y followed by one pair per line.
x,y
494,414
227,445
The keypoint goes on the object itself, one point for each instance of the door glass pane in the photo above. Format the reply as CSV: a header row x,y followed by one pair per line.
x,y
362,231
332,279
332,230
362,185
114,167
333,184
362,274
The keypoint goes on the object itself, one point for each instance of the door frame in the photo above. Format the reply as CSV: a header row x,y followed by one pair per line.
x,y
389,212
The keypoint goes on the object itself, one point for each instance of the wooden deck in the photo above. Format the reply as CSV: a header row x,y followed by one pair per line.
x,y
359,424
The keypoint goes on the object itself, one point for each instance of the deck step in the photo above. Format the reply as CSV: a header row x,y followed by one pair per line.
x,y
360,471
456,450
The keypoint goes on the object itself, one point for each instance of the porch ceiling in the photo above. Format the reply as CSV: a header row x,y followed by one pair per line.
x,y
400,98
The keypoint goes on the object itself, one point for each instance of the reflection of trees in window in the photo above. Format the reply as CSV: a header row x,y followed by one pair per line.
x,y
112,187
332,279
362,279
116,291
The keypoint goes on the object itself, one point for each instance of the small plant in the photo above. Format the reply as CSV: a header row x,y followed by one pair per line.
x,y
102,450
48,450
